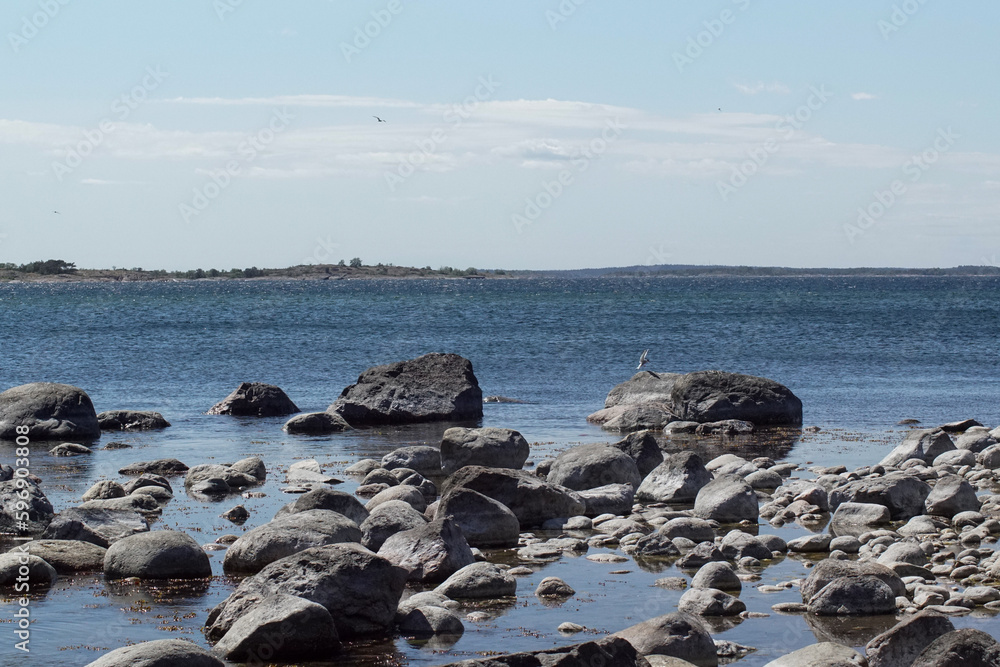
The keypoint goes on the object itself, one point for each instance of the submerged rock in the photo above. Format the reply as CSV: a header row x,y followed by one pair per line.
x,y
824,654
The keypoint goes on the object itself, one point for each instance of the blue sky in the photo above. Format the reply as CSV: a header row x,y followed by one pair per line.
x,y
221,133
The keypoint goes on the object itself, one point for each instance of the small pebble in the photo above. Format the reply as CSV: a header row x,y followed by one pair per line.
x,y
570,628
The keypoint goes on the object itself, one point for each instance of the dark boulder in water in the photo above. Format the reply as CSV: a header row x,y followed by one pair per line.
x,y
50,412
131,420
712,396
434,387
255,399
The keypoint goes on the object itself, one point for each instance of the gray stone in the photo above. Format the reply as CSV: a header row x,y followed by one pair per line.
x,y
632,418
677,635
643,387
862,595
957,458
287,535
951,495
39,509
532,500
487,447
811,543
104,490
484,521
824,654
167,467
424,460
975,440
324,498
408,494
68,556
40,574
159,653
737,545
282,627
255,399
643,448
861,514
903,552
388,519
98,526
131,420
692,528
656,545
727,499
719,575
316,423
593,465
923,444
960,648
554,587
430,553
902,494
677,480
828,570
479,581
163,554
428,621
710,602
608,499
900,645
70,449
50,411
711,396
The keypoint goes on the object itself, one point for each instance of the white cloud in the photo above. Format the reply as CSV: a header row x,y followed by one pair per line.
x,y
761,87
863,96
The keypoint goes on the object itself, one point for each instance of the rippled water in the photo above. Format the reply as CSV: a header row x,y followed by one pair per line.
x,y
860,353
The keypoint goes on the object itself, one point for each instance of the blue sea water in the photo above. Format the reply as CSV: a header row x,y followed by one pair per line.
x,y
861,353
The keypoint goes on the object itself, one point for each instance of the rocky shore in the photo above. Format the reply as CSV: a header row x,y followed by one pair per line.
x,y
431,534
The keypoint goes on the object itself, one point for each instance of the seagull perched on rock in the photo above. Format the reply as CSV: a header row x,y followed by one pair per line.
x,y
643,359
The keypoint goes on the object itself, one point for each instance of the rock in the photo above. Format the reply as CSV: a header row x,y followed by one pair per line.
x,y
960,648
710,602
429,621
711,396
861,514
423,599
70,449
324,498
308,472
656,545
643,387
434,387
975,440
282,627
824,654
159,653
901,644
902,494
532,500
50,411
677,635
903,552
147,479
593,465
252,466
863,595
359,589
380,476
67,556
677,480
829,570
989,457
131,420
163,554
214,478
764,479
237,515
737,545
39,574
730,464
957,458
98,526
104,490
728,427
607,652
923,444
643,448
14,495
773,543
632,418
718,575
951,495
166,467
363,467
811,543
727,499
388,519
959,426
255,399
287,535
609,499
694,529
424,460
554,587
488,447
570,628
479,581
430,553
484,522
316,423
408,494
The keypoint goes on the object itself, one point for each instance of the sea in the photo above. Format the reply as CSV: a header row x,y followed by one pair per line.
x,y
862,353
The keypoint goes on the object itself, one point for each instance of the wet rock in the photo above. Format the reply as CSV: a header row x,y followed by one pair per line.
x,y
163,554
12,500
828,570
656,545
50,411
554,587
324,498
237,515
316,423
862,595
824,654
728,427
159,653
960,648
904,641
408,494
704,552
70,449
147,479
104,490
678,479
386,520
287,535
951,495
718,575
131,420
710,602
692,528
643,448
98,526
424,599
428,621
593,465
40,573
532,500
255,399
68,556
923,444
429,553
727,499
359,589
711,396
422,459
487,447
737,545
283,628
433,387
902,494
166,467
677,635
608,499
484,521
479,581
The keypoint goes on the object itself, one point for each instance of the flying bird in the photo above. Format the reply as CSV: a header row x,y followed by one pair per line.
x,y
57,212
643,359
378,119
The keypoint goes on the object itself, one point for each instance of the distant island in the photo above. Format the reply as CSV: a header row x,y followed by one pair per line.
x,y
57,270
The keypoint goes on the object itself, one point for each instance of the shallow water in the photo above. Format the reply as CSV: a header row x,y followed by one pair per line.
x,y
861,354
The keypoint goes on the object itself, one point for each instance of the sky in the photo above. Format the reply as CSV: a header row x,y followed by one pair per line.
x,y
519,134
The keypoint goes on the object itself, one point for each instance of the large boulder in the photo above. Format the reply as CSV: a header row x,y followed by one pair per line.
x,y
711,396
479,581
593,465
923,444
281,628
23,493
255,399
484,522
951,495
677,480
325,498
643,387
68,556
532,500
902,494
430,553
644,449
434,387
823,654
967,647
163,554
359,589
131,420
901,644
14,563
710,602
421,458
830,570
677,635
50,411
488,447
98,526
386,520
159,653
863,595
727,499
287,535
608,499
315,423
